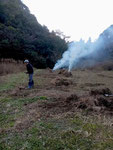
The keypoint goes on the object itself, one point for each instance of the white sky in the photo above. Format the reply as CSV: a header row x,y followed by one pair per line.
x,y
75,18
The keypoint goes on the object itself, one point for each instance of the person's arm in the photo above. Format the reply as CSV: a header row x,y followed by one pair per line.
x,y
27,67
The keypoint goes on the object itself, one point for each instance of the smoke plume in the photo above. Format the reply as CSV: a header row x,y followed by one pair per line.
x,y
77,51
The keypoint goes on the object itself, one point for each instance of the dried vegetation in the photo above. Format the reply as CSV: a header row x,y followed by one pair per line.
x,y
44,112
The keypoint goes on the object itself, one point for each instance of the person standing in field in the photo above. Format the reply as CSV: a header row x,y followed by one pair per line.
x,y
30,72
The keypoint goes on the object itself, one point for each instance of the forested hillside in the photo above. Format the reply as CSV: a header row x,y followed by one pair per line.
x,y
21,36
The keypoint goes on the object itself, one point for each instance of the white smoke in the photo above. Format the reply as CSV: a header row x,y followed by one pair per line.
x,y
75,51
91,52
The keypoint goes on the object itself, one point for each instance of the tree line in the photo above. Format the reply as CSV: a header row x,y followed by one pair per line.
x,y
22,36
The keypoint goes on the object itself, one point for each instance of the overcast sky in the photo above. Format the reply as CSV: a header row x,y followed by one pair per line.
x,y
75,18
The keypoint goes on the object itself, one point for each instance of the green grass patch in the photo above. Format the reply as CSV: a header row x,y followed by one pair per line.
x,y
43,98
13,80
46,135
12,108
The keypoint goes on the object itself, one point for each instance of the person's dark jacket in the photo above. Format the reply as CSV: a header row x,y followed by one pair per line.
x,y
29,68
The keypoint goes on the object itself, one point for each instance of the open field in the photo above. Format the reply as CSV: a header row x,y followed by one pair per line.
x,y
61,112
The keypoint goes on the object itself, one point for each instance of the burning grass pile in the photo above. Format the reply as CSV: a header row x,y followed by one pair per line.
x,y
65,73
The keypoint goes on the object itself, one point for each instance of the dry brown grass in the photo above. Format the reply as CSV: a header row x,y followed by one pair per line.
x,y
8,66
56,113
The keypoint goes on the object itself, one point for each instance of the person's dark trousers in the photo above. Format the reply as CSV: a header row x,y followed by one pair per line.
x,y
31,82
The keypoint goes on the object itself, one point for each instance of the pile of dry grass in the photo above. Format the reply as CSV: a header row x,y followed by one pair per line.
x,y
95,103
65,73
100,92
61,81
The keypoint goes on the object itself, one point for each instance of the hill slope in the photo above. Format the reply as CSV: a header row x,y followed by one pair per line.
x,y
21,36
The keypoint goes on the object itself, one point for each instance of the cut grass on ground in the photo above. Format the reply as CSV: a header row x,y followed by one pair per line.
x,y
25,125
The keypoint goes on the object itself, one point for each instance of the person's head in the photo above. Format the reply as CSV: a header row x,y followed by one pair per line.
x,y
26,61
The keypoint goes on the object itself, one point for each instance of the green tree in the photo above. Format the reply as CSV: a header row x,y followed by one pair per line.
x,y
22,36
